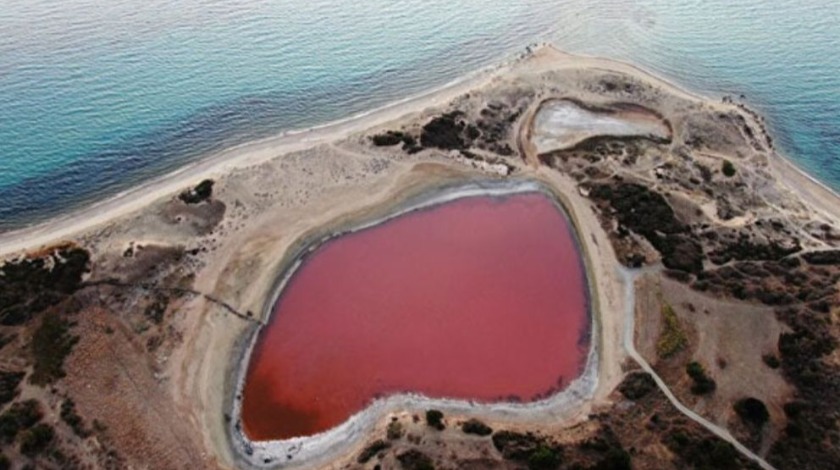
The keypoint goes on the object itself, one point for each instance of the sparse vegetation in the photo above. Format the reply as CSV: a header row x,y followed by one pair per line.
x,y
413,459
474,426
752,411
372,450
395,430
390,138
672,339
636,385
19,417
647,213
434,418
28,286
728,169
51,344
37,439
703,384
9,382
202,192
544,458
69,416
448,132
771,360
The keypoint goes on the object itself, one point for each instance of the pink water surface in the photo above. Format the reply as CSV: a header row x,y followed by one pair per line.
x,y
483,298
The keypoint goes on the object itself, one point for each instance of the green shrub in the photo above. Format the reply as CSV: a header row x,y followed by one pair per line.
x,y
51,344
373,449
703,384
9,382
672,339
728,169
474,426
413,459
395,430
544,458
20,416
434,418
200,193
69,416
752,411
37,439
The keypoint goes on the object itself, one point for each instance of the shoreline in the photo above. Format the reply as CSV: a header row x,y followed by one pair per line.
x,y
246,154
318,449
85,217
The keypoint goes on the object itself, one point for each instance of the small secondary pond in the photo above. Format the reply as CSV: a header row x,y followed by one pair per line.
x,y
563,123
483,298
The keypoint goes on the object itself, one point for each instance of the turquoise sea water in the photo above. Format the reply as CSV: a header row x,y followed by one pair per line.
x,y
96,96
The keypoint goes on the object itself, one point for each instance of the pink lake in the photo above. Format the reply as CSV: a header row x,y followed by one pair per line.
x,y
482,299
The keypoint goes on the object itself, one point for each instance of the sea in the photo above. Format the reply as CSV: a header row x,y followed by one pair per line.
x,y
98,96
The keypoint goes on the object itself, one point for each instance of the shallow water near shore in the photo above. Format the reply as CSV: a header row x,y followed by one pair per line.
x,y
95,98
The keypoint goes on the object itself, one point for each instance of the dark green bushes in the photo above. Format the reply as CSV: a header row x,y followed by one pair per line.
x,y
647,213
728,169
636,385
413,459
474,426
51,344
444,132
30,285
202,192
19,417
752,411
537,452
434,418
703,384
69,416
36,440
9,382
372,450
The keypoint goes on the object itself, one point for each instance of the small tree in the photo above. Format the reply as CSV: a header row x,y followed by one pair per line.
x,y
752,410
703,384
728,169
434,418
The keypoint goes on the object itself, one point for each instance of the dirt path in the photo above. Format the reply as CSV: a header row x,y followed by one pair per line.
x,y
629,278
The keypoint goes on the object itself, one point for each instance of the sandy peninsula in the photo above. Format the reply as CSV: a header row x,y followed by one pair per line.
x,y
690,229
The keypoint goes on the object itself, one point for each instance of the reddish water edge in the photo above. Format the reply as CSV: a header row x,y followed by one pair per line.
x,y
482,299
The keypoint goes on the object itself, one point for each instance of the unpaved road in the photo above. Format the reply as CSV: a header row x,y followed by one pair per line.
x,y
629,278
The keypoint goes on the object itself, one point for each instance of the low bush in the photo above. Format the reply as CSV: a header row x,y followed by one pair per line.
x,y
9,382
673,338
728,169
413,459
752,411
36,440
703,384
19,417
544,458
69,416
434,418
637,385
474,426
202,192
51,344
372,450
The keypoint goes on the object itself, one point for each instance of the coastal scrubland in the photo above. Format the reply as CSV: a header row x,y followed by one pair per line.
x,y
122,341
